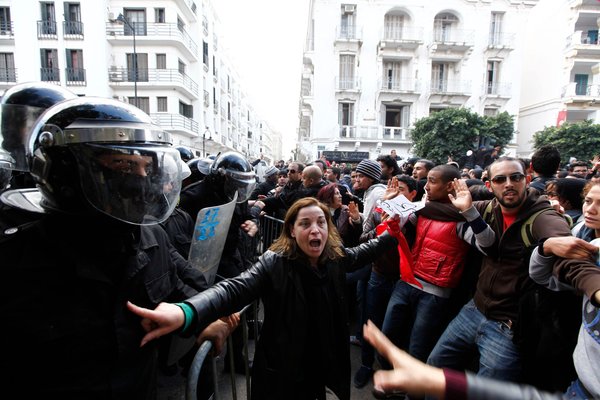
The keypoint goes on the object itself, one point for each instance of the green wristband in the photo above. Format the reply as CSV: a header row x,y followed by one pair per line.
x,y
188,313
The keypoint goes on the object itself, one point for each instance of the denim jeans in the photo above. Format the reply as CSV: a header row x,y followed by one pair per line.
x,y
379,290
471,331
414,319
577,391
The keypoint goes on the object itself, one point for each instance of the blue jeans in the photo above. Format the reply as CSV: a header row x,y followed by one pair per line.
x,y
379,290
471,331
414,319
577,391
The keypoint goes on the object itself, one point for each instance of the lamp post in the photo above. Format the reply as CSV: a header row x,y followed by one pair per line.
x,y
204,141
124,20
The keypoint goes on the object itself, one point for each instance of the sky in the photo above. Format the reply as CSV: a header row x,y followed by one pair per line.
x,y
264,40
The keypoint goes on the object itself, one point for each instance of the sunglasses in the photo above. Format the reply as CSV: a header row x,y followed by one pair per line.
x,y
516,177
291,171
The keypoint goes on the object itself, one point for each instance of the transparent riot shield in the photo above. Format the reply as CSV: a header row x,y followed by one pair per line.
x,y
208,240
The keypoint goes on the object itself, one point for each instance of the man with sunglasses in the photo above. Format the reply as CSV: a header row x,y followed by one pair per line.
x,y
488,322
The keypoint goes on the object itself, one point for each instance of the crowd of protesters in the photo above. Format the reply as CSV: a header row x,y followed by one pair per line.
x,y
488,276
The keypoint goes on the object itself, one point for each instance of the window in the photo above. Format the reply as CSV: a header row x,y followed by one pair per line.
x,y
393,26
75,70
7,68
348,22
392,75
73,24
137,67
346,71
161,61
205,52
490,112
47,25
159,15
161,104
496,28
181,66
439,77
186,110
137,20
180,24
581,84
5,22
493,71
346,119
49,65
143,103
442,27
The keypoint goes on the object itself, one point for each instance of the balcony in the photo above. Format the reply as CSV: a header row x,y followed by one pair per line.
x,y
580,44
73,29
156,34
449,92
176,123
498,89
577,93
405,90
345,84
501,40
8,76
46,30
189,8
156,78
450,87
406,85
348,38
452,41
75,76
50,74
374,133
398,40
6,31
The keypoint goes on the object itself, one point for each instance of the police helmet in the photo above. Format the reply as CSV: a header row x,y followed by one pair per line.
x,y
185,153
236,173
20,106
94,154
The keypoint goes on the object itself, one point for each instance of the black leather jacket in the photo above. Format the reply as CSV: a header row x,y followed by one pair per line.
x,y
279,357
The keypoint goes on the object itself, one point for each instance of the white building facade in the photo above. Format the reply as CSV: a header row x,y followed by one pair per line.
x,y
161,55
562,81
372,68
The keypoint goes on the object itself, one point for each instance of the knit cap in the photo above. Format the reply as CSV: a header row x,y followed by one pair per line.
x,y
369,168
271,170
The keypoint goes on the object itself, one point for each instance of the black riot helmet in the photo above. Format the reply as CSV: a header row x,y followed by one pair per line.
x,y
92,155
185,153
236,174
20,106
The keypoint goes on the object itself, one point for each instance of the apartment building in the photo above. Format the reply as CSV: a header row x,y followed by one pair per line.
x,y
162,56
562,80
371,68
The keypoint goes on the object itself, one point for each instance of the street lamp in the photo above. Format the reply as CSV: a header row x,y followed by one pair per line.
x,y
124,20
204,140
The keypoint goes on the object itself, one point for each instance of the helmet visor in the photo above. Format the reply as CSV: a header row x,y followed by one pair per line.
x,y
242,182
135,184
16,122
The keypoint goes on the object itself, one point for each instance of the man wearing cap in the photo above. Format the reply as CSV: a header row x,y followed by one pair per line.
x,y
368,174
262,189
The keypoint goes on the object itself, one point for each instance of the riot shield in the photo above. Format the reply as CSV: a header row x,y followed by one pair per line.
x,y
208,240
